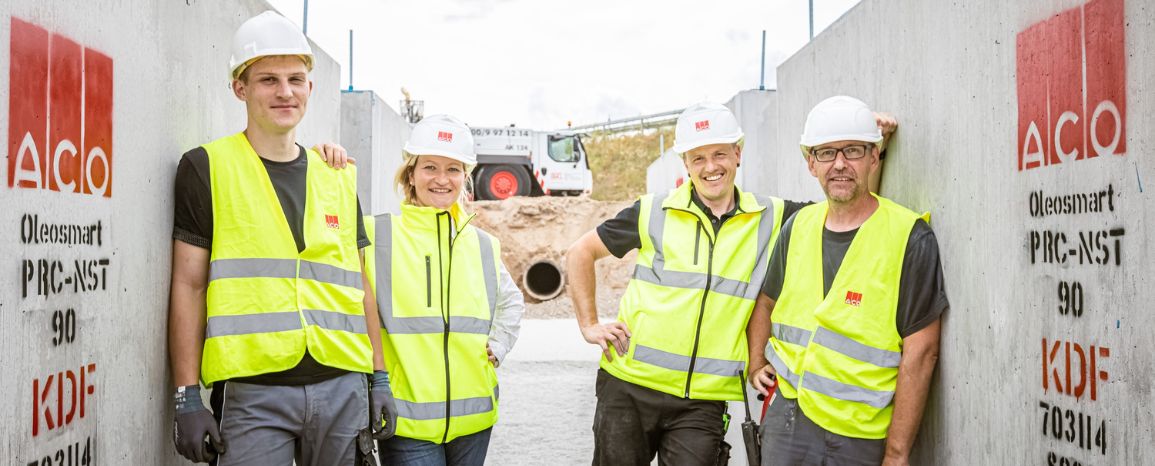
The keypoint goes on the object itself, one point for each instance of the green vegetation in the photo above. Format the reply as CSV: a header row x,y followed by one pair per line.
x,y
619,161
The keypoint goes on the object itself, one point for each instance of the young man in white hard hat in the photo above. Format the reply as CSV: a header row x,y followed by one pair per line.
x,y
679,349
267,302
855,289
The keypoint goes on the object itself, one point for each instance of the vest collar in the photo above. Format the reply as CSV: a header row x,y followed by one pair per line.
x,y
681,198
427,218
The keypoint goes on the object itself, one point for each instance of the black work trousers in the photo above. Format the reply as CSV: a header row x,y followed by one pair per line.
x,y
632,423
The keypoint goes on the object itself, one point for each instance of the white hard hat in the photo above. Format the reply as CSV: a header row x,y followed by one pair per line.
x,y
265,35
704,124
839,118
442,135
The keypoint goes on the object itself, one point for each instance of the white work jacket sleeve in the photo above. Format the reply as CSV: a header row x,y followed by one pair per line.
x,y
507,318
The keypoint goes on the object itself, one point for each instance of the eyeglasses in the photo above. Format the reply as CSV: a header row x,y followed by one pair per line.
x,y
854,152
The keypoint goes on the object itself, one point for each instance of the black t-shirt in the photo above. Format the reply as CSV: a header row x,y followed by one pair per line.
x,y
193,224
620,234
921,290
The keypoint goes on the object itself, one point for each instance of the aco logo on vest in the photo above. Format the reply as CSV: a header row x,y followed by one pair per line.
x,y
853,298
1071,81
59,113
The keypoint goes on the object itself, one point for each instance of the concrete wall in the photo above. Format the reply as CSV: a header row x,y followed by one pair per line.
x,y
84,361
665,173
756,112
966,81
373,133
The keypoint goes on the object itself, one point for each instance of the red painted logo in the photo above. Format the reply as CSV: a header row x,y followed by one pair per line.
x,y
1060,119
331,221
444,136
853,299
59,114
60,398
1060,357
702,125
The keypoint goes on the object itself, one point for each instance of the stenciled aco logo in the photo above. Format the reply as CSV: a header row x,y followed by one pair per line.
x,y
59,114
1060,119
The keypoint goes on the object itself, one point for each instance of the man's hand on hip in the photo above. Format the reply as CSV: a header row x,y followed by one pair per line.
x,y
604,335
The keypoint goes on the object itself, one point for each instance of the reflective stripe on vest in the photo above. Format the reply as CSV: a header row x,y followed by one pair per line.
x,y
839,354
435,410
283,268
657,274
678,277
267,303
440,395
417,325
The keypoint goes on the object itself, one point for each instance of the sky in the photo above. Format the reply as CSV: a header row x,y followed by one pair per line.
x,y
542,63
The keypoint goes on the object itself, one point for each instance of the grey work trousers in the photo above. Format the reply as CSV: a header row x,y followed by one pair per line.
x,y
275,425
789,438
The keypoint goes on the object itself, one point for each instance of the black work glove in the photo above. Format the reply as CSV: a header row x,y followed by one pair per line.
x,y
382,408
193,423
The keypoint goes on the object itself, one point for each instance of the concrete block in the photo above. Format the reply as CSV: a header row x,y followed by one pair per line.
x,y
83,300
757,115
375,134
1043,234
665,173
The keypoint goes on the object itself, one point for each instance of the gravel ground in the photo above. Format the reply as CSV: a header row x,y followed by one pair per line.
x,y
561,307
546,414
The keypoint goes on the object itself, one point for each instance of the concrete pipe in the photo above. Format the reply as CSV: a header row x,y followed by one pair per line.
x,y
543,280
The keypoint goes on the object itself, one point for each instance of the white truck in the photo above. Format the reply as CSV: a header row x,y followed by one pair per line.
x,y
522,162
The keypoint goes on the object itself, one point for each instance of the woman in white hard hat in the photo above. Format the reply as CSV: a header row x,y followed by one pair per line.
x,y
450,310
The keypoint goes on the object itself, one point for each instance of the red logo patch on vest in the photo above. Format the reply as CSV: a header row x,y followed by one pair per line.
x,y
444,136
331,221
702,125
853,299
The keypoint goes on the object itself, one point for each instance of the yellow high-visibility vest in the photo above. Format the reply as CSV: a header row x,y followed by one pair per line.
x,y
839,354
692,294
267,302
435,279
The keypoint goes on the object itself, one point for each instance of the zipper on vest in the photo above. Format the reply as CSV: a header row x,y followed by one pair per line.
x,y
445,312
701,313
428,282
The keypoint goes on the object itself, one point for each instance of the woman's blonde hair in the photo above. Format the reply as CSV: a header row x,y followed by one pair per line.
x,y
408,191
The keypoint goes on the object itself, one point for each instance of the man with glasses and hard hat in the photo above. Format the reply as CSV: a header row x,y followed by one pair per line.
x,y
679,348
267,303
855,296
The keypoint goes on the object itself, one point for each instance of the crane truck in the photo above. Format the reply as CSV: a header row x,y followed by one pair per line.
x,y
522,162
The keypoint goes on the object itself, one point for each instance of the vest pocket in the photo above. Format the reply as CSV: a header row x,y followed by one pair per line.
x,y
697,241
428,283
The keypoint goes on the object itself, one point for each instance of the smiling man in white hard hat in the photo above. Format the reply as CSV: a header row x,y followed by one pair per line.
x,y
679,349
855,289
267,302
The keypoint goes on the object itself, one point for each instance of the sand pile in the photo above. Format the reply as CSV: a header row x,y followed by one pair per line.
x,y
533,229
